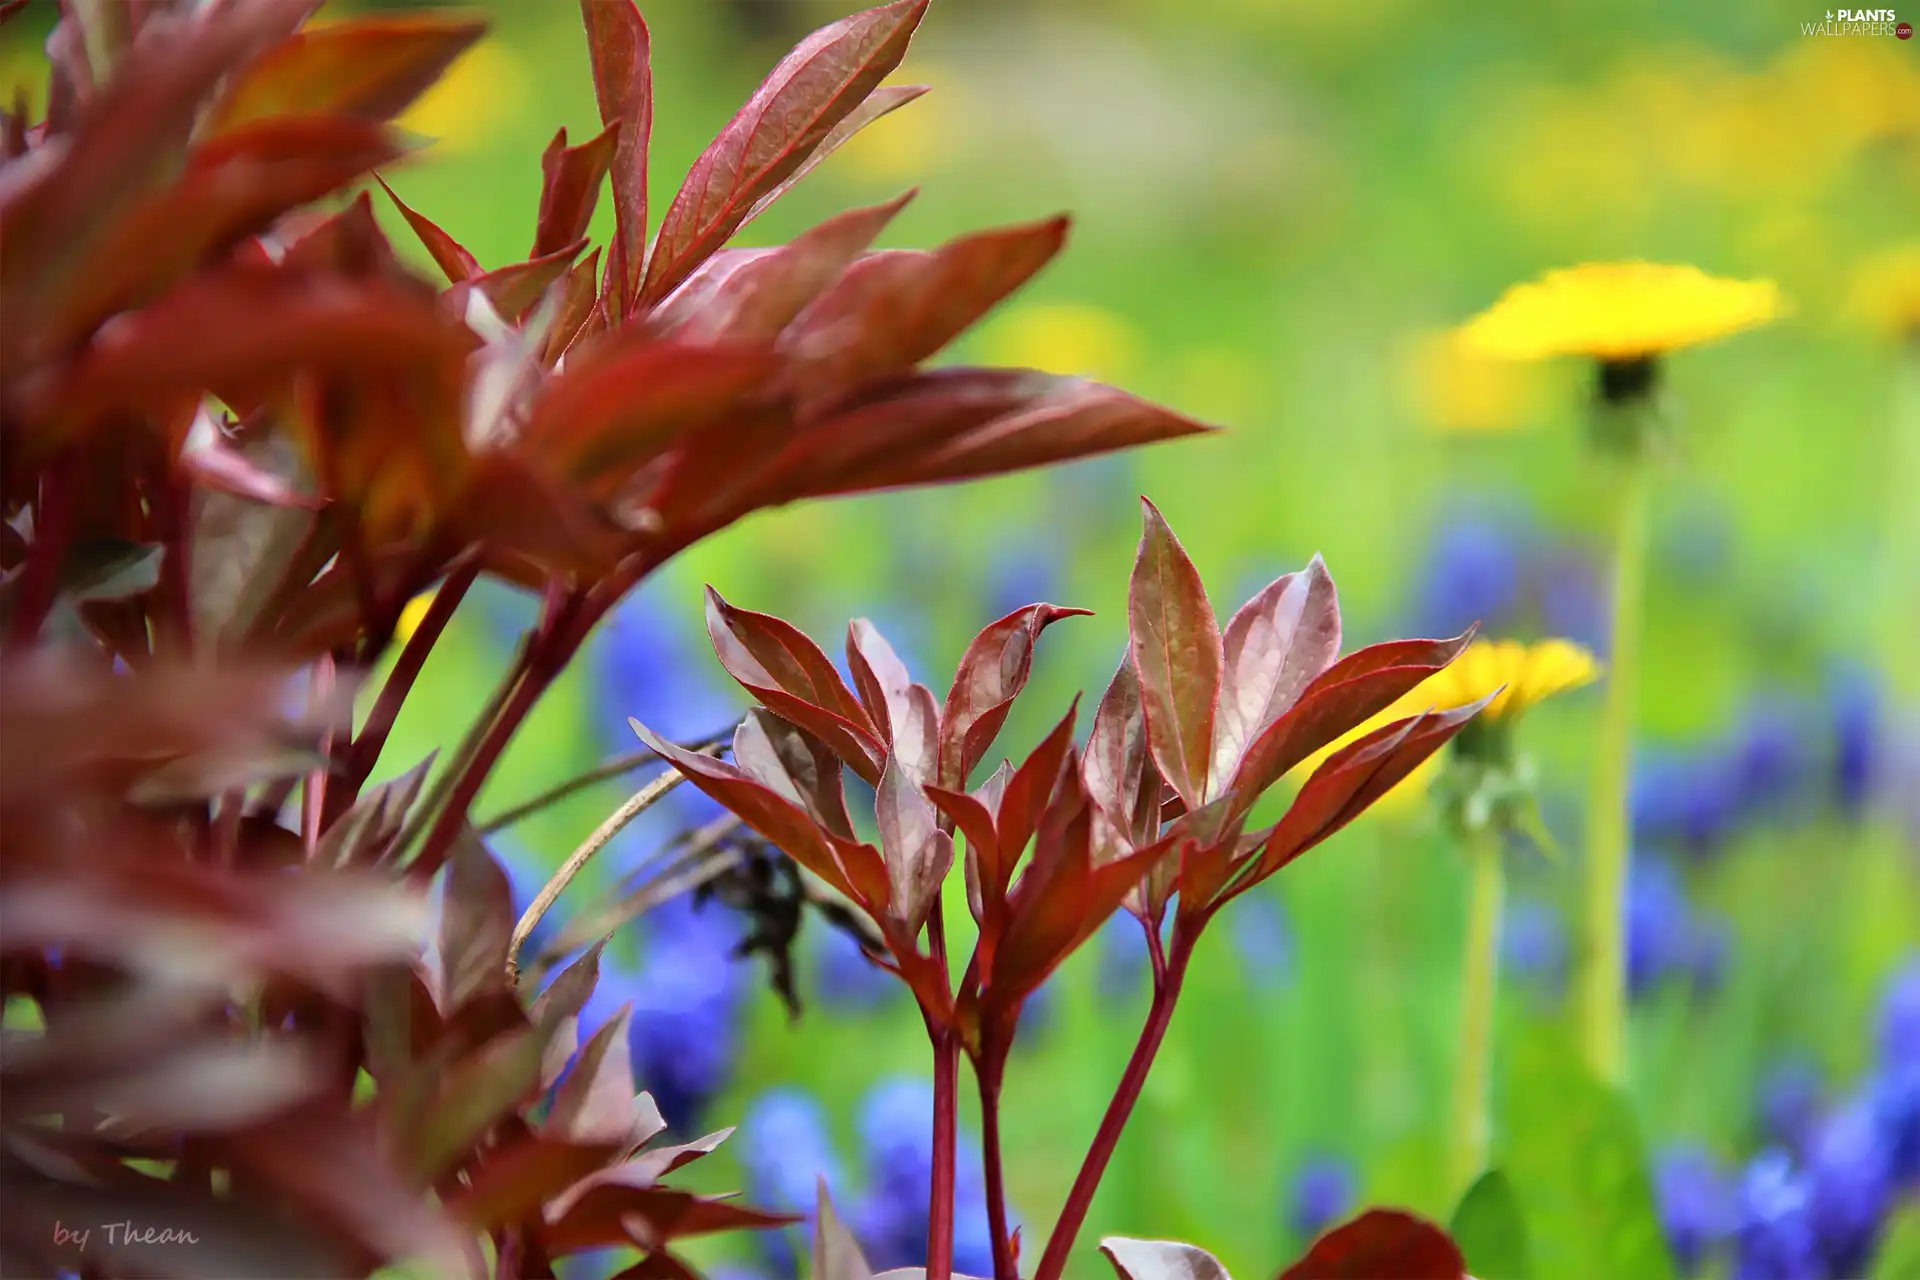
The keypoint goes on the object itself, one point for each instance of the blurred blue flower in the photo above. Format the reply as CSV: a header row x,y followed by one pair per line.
x,y
1038,1014
1707,962
1770,764
890,1220
1125,969
1023,573
1847,1171
661,673
1572,599
1895,1095
845,979
1686,801
1263,937
1471,573
1788,1103
786,1149
1854,706
1695,1199
1533,945
1321,1193
1660,934
1900,1015
1774,1233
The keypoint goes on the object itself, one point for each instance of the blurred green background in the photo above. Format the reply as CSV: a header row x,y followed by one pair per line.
x,y
1277,203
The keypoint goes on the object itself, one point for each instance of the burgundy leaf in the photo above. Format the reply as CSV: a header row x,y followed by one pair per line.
x,y
879,675
509,504
578,302
892,309
515,288
622,52
567,994
917,852
476,920
813,89
751,295
1117,749
885,100
595,1102
216,464
367,67
510,1185
1027,793
794,763
1160,1260
1176,650
601,1217
1276,645
447,253
1350,692
570,187
992,673
1381,1242
973,815
655,1163
495,1080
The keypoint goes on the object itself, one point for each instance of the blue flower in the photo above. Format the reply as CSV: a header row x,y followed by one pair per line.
x,y
1533,945
1854,705
1707,962
896,1126
1684,800
1789,1103
1900,1015
786,1149
1770,764
1696,1205
1660,934
1263,937
1895,1094
655,671
1028,572
845,979
1572,599
1472,573
1320,1193
1774,1233
1847,1171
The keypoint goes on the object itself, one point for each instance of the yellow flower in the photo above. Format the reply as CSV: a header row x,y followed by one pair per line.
x,y
412,616
1067,338
1454,389
485,88
1886,290
907,142
1619,311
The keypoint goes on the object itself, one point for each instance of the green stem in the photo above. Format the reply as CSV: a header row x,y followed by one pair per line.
x,y
1601,982
1473,1074
1900,594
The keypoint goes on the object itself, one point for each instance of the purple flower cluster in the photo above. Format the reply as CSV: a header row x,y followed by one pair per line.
x,y
1489,561
1667,938
1814,1203
1321,1192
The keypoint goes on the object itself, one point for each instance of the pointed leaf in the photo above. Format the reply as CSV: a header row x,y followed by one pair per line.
x,y
578,302
1381,1242
751,295
476,920
814,88
612,1214
992,673
447,253
1117,749
515,288
510,1185
622,53
367,67
836,1254
879,675
892,309
1276,645
917,852
570,187
362,835
493,1082
1491,1230
567,994
1027,794
885,100
595,1102
1177,654
793,762
1161,1260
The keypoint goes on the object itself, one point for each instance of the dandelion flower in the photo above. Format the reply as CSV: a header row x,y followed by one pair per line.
x,y
1072,339
1454,388
1523,674
1619,312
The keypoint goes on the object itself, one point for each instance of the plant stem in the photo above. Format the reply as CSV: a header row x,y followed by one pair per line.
x,y
524,692
990,1070
1472,1129
614,768
638,803
1602,956
946,1143
1080,1199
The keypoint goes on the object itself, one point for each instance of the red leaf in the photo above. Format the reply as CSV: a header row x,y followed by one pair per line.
x,y
1117,749
992,673
750,295
1026,795
882,679
453,260
599,423
216,464
782,822
796,764
1348,693
1276,645
885,100
918,854
570,187
1381,1242
595,1102
892,309
601,1218
813,89
578,302
510,1185
509,504
476,919
367,67
515,288
622,52
781,666
1177,653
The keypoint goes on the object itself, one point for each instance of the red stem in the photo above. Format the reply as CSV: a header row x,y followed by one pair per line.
x,y
990,1070
946,1119
1074,1213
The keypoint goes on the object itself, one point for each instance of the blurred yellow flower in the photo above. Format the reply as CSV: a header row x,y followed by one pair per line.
x,y
904,144
1455,389
1070,338
412,616
1886,290
1619,311
480,92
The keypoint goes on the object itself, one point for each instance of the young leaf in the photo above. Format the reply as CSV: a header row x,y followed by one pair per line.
x,y
510,1184
1491,1230
885,100
1161,1260
1117,749
567,994
1382,1242
1275,646
476,919
813,89
793,762
492,1082
892,309
917,852
1177,654
992,673
879,675
595,1102
836,1254
515,288
367,67
622,52
570,187
447,253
